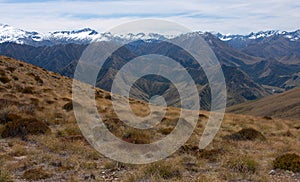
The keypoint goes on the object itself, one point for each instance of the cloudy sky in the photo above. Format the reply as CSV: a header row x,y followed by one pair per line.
x,y
226,16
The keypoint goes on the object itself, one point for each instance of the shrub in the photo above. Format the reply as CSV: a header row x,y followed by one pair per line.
x,y
69,106
28,109
18,150
166,131
4,79
7,110
202,116
165,170
2,73
15,78
289,162
11,69
24,127
36,174
72,131
27,90
246,134
8,117
267,117
211,155
136,136
38,79
242,164
108,96
4,176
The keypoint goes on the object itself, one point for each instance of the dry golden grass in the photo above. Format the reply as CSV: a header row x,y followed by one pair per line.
x,y
64,155
285,105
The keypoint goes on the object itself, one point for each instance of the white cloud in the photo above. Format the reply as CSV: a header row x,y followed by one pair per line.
x,y
227,16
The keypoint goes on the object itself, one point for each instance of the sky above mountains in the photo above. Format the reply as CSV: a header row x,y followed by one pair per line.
x,y
226,16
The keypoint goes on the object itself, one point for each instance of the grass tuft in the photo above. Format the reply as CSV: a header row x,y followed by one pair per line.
x,y
4,79
289,162
242,164
24,127
246,134
36,174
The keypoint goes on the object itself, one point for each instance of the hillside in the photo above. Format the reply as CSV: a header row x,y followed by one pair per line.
x,y
284,105
40,139
63,59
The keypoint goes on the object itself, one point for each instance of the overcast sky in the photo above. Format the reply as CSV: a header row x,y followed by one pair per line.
x,y
226,16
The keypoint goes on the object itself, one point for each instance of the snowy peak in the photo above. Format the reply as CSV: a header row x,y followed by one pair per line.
x,y
11,34
292,36
87,35
129,37
82,36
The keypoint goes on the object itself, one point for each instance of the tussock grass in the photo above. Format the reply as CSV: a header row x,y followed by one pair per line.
x,y
289,162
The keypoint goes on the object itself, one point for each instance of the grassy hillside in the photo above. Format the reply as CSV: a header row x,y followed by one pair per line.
x,y
284,105
40,139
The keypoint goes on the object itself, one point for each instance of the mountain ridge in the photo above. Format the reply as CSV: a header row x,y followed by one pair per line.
x,y
87,35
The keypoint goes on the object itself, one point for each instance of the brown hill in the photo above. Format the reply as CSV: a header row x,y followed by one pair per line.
x,y
284,105
40,139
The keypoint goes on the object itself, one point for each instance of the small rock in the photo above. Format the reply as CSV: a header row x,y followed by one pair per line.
x,y
20,158
272,172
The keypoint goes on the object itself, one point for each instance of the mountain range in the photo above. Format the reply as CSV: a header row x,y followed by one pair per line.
x,y
254,65
86,35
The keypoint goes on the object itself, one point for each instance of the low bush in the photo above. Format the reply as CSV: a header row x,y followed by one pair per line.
x,y
27,90
107,96
36,174
8,117
166,131
5,176
38,79
136,136
211,155
4,79
11,69
70,105
24,127
267,117
2,72
72,131
246,134
15,78
28,109
242,164
164,170
289,162
7,111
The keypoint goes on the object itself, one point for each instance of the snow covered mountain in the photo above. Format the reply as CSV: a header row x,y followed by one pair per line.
x,y
86,35
243,41
292,36
83,36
